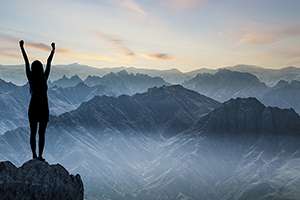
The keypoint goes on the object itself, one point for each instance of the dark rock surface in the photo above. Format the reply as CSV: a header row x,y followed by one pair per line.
x,y
36,180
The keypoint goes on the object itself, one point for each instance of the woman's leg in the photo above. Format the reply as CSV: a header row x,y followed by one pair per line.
x,y
33,129
42,131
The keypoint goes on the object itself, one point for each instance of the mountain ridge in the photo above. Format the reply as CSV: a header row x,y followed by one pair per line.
x,y
250,115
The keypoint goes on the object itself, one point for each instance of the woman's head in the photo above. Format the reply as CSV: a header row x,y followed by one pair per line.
x,y
37,69
38,81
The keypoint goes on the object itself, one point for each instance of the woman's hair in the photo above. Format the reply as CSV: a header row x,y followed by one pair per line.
x,y
38,80
37,69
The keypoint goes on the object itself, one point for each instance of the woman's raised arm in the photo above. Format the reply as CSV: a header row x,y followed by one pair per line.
x,y
27,67
49,60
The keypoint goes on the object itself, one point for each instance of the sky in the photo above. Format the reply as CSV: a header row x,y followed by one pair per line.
x,y
156,34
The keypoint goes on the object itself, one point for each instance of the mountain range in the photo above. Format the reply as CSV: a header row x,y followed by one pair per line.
x,y
173,143
268,75
66,94
15,73
125,83
227,134
226,84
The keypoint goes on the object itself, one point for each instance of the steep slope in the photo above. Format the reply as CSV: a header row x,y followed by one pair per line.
x,y
226,84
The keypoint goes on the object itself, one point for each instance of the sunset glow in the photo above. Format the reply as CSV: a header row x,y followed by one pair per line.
x,y
183,34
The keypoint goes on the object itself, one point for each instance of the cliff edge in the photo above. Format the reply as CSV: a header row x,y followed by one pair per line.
x,y
37,180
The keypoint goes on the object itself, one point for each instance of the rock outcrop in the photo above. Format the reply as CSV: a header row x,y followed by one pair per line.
x,y
36,180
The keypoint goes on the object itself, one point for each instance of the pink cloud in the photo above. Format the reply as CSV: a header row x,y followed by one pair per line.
x,y
116,42
9,53
262,36
35,45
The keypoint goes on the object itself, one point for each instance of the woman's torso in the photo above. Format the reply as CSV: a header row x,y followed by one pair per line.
x,y
38,106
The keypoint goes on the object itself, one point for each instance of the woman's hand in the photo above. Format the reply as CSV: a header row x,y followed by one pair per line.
x,y
21,42
53,45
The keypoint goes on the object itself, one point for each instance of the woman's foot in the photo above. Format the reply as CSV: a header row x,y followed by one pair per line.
x,y
34,156
41,158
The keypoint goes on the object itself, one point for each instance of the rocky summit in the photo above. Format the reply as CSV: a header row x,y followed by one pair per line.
x,y
37,180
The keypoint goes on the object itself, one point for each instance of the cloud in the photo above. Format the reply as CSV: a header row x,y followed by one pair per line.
x,y
45,47
8,53
8,38
40,46
158,56
116,42
257,38
132,6
260,37
36,45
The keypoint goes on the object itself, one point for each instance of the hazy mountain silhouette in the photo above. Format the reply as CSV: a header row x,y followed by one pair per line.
x,y
268,75
284,94
226,84
15,73
67,82
124,83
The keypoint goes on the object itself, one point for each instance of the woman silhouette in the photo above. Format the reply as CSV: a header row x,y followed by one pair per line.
x,y
38,112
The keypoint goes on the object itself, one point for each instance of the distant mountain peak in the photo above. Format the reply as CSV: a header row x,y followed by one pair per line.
x,y
247,102
226,84
75,77
123,72
250,115
64,81
172,89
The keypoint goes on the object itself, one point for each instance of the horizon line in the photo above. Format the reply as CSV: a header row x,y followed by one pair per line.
x,y
167,69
